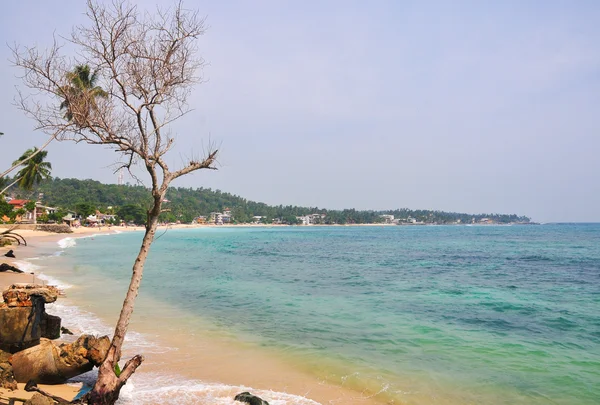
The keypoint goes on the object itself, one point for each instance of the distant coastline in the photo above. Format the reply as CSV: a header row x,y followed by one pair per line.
x,y
93,202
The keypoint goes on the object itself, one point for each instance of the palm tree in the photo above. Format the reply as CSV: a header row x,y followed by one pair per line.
x,y
80,96
33,172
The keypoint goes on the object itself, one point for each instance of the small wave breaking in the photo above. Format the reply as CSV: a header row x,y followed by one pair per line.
x,y
150,388
67,243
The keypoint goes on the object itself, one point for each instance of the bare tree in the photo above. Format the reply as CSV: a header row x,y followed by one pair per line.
x,y
147,65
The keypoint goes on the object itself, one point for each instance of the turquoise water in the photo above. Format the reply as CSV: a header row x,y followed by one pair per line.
x,y
481,314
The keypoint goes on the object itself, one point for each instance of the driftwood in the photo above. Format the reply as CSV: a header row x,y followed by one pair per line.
x,y
8,267
31,386
10,235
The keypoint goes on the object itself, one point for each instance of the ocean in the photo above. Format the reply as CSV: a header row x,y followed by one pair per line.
x,y
397,314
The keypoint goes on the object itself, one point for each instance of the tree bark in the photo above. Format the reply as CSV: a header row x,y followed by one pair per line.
x,y
108,386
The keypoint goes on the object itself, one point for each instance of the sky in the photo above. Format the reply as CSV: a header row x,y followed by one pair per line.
x,y
467,106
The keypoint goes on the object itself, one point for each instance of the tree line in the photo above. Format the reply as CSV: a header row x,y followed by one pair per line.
x,y
130,203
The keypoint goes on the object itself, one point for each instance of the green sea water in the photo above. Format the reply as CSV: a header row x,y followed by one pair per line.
x,y
431,314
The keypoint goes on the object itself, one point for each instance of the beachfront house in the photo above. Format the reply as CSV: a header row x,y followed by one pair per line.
x,y
387,219
70,219
18,205
311,219
216,218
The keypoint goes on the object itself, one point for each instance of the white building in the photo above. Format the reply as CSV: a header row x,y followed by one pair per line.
x,y
389,219
216,218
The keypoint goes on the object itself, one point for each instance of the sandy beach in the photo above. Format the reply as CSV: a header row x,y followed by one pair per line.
x,y
230,363
33,238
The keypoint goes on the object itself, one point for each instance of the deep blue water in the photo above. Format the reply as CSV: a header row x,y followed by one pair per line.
x,y
478,314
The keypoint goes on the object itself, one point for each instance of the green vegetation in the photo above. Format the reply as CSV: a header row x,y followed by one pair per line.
x,y
185,204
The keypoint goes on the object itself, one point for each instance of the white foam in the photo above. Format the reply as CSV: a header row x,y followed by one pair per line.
x,y
67,243
27,267
49,280
151,388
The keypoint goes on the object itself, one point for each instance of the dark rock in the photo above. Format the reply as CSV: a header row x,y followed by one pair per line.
x,y
250,399
8,267
10,254
65,331
50,326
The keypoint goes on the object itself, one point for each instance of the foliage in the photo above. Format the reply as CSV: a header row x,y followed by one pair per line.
x,y
186,203
5,208
85,209
29,206
44,218
34,170
132,213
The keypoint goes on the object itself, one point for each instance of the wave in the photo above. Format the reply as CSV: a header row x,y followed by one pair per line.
x,y
67,243
151,388
26,266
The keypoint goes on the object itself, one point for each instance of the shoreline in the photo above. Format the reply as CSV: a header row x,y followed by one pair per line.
x,y
232,363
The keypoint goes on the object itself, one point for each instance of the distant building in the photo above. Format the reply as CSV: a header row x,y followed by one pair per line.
x,y
20,204
311,219
388,219
216,218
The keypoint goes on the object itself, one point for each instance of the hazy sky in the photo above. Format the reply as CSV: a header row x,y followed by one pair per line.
x,y
470,106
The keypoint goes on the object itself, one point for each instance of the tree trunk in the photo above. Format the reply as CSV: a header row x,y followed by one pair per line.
x,y
35,214
10,185
108,386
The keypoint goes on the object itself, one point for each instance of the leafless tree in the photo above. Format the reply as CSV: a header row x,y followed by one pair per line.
x,y
146,64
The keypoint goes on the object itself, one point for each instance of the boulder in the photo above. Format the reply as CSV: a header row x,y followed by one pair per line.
x,y
48,363
8,267
50,326
250,399
23,318
39,399
17,329
7,379
23,295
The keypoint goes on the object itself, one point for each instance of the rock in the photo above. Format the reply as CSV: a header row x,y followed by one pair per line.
x,y
8,267
50,326
250,399
39,399
20,295
65,331
7,379
18,330
10,254
23,318
51,364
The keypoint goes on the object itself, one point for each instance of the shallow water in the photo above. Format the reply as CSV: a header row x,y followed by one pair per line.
x,y
481,314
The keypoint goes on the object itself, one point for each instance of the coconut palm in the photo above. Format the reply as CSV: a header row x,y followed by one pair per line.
x,y
80,96
33,172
